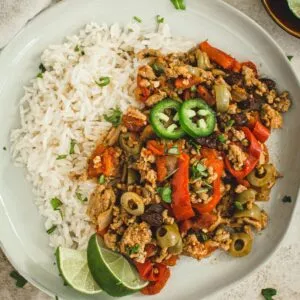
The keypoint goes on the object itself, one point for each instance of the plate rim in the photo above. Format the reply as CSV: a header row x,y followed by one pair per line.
x,y
233,10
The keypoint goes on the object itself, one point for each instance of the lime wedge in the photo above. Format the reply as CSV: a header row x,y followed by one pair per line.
x,y
295,7
73,267
111,270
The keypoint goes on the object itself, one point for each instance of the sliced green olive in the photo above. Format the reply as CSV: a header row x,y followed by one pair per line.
x,y
129,143
253,213
241,244
246,196
133,203
167,236
267,177
177,249
132,176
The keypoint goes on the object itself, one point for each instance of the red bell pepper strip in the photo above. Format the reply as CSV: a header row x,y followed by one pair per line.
x,y
181,204
155,147
146,270
204,220
252,160
162,275
261,132
186,83
212,160
205,95
254,147
161,167
221,58
171,261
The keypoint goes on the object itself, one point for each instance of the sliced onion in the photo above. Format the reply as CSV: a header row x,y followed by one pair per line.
x,y
223,97
203,61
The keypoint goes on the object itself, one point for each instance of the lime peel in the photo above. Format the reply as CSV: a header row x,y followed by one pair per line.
x,y
73,267
111,270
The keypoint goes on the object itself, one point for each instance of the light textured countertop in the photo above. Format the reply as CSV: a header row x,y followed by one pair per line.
x,y
283,269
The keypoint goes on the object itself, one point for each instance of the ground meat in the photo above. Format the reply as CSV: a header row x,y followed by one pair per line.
x,y
282,103
270,117
192,247
238,135
222,237
236,156
110,239
100,201
153,99
136,235
134,120
146,72
238,94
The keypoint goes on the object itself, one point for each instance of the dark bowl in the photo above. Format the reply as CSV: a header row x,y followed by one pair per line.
x,y
282,15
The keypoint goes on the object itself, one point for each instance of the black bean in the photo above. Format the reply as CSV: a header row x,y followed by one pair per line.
x,y
234,78
240,119
153,219
271,84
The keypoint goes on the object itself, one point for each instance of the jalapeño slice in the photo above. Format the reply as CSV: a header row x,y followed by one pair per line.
x,y
164,118
196,118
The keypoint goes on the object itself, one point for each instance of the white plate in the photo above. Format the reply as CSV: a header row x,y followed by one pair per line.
x,y
22,233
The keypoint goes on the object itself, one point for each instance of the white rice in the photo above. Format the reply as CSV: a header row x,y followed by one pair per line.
x,y
67,104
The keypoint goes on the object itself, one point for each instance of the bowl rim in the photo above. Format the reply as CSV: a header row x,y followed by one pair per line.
x,y
233,10
278,22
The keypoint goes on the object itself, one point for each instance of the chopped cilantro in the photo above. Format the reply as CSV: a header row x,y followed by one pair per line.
x,y
72,146
62,156
42,68
81,198
158,70
114,117
230,123
4,148
103,81
202,237
178,4
40,75
198,171
268,293
287,199
165,193
222,138
101,179
55,203
79,49
139,20
159,19
20,280
133,250
51,229
290,57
